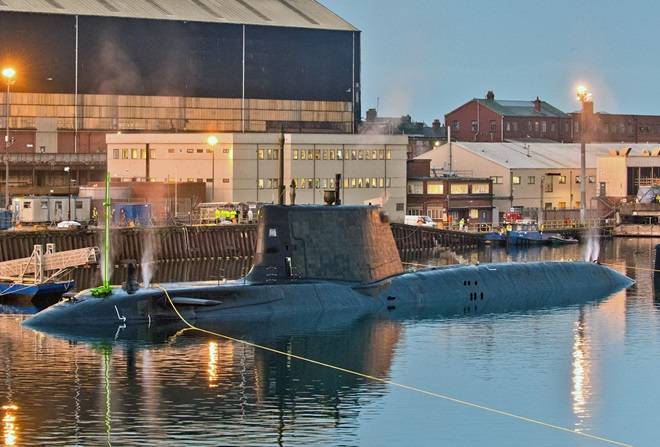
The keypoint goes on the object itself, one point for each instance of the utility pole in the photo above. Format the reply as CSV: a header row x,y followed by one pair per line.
x,y
587,108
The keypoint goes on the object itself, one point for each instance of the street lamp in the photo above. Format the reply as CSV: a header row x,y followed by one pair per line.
x,y
68,171
212,140
10,78
584,97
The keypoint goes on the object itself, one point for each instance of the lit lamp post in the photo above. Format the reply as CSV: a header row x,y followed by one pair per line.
x,y
212,140
10,78
585,99
68,171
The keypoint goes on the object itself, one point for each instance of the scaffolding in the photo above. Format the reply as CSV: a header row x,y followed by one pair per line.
x,y
46,266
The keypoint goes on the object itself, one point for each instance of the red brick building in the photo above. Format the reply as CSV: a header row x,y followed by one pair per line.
x,y
491,120
616,128
446,198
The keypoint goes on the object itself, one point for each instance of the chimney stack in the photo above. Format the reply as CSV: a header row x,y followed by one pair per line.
x,y
371,115
537,105
490,96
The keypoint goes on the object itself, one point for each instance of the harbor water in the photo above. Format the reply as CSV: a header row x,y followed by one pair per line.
x,y
588,368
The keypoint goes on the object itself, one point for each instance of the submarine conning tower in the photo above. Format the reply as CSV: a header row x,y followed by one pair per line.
x,y
340,243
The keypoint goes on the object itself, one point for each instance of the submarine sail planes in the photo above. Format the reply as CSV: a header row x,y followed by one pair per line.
x,y
314,258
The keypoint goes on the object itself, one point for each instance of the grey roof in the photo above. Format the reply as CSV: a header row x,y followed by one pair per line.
x,y
289,13
521,108
537,155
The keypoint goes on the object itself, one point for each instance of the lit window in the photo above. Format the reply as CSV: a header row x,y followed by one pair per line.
x,y
353,183
360,154
388,182
381,154
310,154
346,183
295,154
480,188
359,182
562,179
561,205
124,154
340,154
325,154
260,183
190,151
317,154
474,213
373,182
381,182
516,180
389,154
134,154
367,182
458,188
435,188
332,154
374,154
497,179
276,154
415,187
260,154
272,232
303,154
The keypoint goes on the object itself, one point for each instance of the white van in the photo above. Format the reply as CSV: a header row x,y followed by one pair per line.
x,y
424,221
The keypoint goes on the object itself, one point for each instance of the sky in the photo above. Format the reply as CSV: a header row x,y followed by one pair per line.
x,y
427,57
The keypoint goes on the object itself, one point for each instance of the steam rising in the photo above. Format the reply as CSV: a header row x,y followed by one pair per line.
x,y
592,249
147,262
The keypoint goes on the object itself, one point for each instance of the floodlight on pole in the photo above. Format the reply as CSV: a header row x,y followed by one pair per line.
x,y
212,140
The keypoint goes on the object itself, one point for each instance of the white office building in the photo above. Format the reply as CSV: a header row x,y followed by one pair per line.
x,y
244,167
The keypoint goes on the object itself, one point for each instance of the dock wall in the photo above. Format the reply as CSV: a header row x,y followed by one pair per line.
x,y
176,243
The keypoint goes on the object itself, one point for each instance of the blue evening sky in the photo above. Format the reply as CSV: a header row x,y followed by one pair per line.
x,y
426,57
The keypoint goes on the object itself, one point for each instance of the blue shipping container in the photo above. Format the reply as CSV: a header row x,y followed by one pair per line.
x,y
125,213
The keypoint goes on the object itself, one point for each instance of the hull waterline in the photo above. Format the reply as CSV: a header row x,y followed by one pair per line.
x,y
454,290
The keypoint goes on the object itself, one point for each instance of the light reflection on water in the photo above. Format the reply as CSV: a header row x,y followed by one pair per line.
x,y
589,367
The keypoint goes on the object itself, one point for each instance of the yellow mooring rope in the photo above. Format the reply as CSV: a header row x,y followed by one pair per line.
x,y
390,382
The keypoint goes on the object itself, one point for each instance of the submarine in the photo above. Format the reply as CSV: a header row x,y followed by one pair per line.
x,y
339,260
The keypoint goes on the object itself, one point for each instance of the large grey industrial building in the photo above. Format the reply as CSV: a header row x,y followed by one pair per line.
x,y
88,67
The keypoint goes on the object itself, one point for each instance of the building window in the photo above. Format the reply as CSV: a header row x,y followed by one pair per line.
x,y
388,154
381,182
152,153
456,125
561,205
135,154
474,213
414,211
367,182
200,151
303,154
552,127
360,154
435,188
260,183
310,154
515,126
508,127
340,154
562,179
317,154
295,154
578,179
190,151
388,182
544,126
475,127
549,186
331,154
435,212
493,125
115,153
531,180
399,206
171,150
458,188
515,180
480,188
529,126
536,126
353,154
592,179
497,179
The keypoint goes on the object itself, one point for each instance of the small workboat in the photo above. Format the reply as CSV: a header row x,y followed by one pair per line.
x,y
558,239
493,238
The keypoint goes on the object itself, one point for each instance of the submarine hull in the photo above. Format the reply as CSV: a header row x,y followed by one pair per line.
x,y
454,290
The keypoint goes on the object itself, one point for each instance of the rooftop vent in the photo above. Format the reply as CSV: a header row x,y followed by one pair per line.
x,y
490,96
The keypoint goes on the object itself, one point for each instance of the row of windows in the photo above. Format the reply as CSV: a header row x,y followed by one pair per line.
x,y
531,180
535,126
132,154
348,182
338,154
454,188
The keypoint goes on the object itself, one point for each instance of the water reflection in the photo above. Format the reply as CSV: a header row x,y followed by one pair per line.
x,y
581,372
171,386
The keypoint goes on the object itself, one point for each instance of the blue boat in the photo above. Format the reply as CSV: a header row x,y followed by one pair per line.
x,y
525,234
15,290
493,238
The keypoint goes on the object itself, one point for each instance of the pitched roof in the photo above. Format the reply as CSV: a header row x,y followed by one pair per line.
x,y
289,13
538,155
521,108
